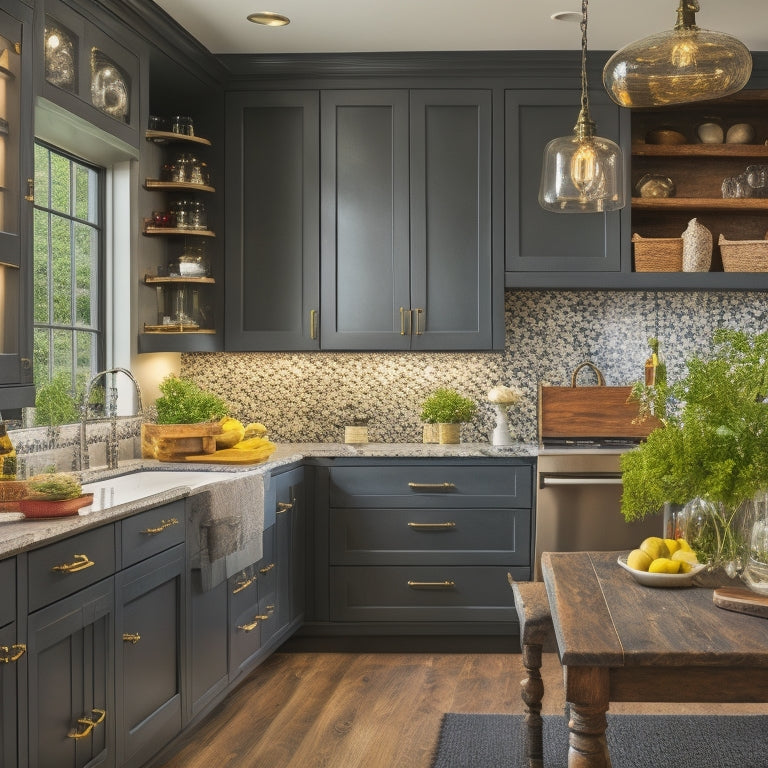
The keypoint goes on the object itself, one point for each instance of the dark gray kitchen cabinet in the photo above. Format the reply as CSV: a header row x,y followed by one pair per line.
x,y
149,655
90,67
290,538
70,662
272,221
11,659
406,246
16,142
413,546
545,249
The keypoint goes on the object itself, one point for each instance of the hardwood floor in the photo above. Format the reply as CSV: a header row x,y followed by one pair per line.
x,y
378,710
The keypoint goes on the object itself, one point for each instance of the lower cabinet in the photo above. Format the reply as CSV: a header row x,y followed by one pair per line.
x,y
11,658
149,655
71,680
410,546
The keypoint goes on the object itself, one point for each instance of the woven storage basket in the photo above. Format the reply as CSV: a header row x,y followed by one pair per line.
x,y
744,255
658,254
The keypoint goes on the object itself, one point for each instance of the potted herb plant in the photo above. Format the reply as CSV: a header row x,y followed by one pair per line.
x,y
711,452
448,409
188,420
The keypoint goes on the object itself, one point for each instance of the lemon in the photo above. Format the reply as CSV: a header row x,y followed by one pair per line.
x,y
672,545
684,545
654,547
638,560
664,565
686,558
231,434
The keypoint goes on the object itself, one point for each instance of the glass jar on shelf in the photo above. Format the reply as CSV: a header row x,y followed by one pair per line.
x,y
180,210
198,216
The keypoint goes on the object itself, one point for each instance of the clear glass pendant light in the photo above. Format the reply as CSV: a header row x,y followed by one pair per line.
x,y
678,66
582,173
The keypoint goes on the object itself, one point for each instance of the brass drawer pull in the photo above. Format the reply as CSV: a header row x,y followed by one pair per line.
x,y
131,637
242,585
447,525
9,654
284,506
80,563
449,584
442,487
85,724
312,324
267,568
419,315
252,625
164,525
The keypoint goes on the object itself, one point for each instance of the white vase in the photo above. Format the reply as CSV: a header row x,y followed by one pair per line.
x,y
501,434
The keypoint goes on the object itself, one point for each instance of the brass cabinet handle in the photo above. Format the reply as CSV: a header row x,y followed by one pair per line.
x,y
283,506
30,196
253,624
419,315
433,526
9,654
267,568
312,323
131,637
80,563
432,486
164,525
243,585
85,724
402,321
448,584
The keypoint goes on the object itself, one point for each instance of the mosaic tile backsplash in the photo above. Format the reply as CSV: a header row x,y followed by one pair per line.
x,y
310,397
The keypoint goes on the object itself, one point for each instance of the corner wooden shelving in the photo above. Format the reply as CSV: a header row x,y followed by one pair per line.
x,y
174,231
168,137
171,186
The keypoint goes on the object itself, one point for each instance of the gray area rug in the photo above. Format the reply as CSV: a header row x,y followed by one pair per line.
x,y
634,741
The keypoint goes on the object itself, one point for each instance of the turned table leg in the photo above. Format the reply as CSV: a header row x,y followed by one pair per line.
x,y
587,747
536,628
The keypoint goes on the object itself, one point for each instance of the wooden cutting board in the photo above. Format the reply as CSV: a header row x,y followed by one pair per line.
x,y
229,456
741,600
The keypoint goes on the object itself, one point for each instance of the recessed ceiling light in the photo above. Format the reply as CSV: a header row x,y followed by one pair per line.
x,y
566,16
269,19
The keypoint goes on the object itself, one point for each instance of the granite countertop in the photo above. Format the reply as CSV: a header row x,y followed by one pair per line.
x,y
18,534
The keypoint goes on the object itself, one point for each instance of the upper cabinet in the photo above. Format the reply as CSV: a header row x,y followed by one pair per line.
x,y
85,70
406,249
16,133
546,249
272,221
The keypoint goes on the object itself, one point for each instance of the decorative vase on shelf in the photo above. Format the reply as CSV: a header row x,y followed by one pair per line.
x,y
755,573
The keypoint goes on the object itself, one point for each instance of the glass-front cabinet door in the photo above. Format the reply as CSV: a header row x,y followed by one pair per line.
x,y
15,193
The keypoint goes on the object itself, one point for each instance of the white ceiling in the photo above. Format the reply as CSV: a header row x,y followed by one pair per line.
x,y
336,26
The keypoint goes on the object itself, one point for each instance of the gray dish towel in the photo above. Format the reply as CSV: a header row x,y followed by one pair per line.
x,y
228,519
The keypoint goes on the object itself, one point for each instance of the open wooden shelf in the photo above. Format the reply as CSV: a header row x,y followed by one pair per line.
x,y
156,184
167,137
731,204
154,280
175,231
694,151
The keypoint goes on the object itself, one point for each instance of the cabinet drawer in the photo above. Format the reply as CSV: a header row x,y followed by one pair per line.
x,y
153,531
8,592
430,536
431,484
62,568
423,593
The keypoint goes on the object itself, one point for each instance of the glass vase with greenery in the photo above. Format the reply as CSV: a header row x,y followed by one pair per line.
x,y
711,451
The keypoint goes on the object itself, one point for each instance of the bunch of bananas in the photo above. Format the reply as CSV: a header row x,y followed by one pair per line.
x,y
252,438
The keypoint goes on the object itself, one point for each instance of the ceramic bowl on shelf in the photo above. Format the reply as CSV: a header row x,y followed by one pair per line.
x,y
649,579
665,136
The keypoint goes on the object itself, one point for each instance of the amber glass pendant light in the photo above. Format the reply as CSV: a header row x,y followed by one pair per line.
x,y
681,65
582,173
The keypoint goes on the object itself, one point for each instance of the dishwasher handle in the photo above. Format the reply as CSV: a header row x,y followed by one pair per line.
x,y
580,479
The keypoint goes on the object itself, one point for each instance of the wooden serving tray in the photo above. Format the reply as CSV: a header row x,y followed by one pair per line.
x,y
741,600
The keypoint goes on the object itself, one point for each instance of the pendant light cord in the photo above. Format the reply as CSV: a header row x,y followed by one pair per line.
x,y
584,86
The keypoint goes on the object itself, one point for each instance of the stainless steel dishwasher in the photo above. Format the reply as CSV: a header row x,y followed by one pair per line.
x,y
578,505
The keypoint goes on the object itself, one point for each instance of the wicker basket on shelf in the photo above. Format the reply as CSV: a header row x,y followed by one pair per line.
x,y
658,254
744,255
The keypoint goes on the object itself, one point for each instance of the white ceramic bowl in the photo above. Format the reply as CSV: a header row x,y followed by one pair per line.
x,y
661,579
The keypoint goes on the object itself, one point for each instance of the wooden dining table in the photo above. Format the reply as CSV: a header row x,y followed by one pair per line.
x,y
621,641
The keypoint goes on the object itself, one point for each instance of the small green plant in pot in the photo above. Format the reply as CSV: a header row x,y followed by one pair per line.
x,y
711,452
448,409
